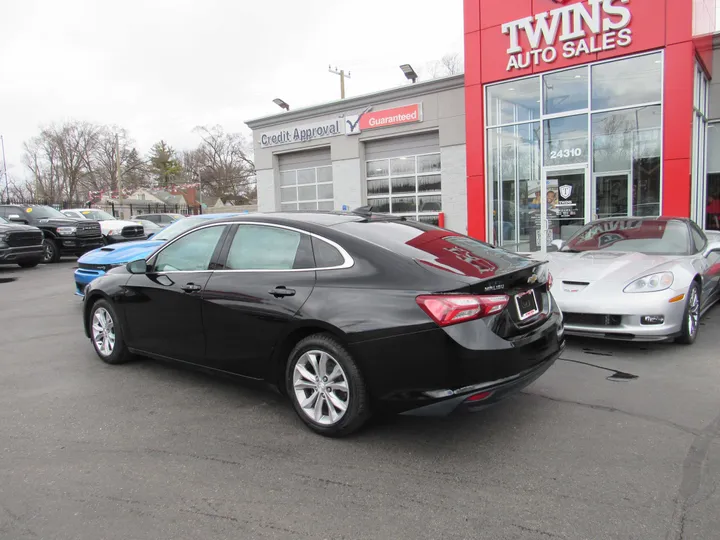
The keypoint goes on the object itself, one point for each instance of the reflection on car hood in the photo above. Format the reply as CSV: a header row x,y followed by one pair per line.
x,y
121,253
590,266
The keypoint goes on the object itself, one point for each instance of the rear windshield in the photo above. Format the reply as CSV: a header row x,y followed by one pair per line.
x,y
648,236
437,248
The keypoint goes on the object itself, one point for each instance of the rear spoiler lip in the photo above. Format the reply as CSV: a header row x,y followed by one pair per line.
x,y
473,281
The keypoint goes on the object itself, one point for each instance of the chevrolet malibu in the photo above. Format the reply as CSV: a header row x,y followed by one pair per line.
x,y
346,313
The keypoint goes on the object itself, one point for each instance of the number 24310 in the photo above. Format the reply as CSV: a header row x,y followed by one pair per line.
x,y
566,153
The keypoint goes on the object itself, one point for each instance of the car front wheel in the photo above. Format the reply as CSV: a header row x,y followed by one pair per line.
x,y
326,387
691,317
106,334
51,253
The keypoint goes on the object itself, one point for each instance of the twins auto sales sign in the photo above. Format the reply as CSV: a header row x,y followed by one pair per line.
x,y
569,31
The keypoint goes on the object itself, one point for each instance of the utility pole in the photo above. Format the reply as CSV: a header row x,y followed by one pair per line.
x,y
7,180
343,76
117,175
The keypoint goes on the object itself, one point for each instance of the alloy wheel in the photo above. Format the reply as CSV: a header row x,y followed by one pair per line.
x,y
103,332
693,312
321,387
48,252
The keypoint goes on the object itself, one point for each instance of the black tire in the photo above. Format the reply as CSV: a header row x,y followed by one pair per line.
x,y
29,264
52,252
119,353
690,329
357,410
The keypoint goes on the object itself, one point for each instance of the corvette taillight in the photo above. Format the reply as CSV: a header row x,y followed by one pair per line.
x,y
549,281
447,309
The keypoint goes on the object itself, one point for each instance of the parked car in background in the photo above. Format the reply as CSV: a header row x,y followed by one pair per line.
x,y
644,279
62,235
97,262
20,244
150,228
345,313
163,220
113,229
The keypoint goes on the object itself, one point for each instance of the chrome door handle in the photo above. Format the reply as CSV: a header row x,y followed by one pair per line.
x,y
191,288
280,292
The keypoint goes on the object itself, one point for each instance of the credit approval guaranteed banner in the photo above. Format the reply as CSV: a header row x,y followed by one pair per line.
x,y
391,117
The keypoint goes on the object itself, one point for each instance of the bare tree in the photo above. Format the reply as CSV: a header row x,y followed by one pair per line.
x,y
450,64
223,163
57,160
102,161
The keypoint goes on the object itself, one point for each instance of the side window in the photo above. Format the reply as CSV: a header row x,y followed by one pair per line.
x,y
326,256
191,252
4,211
698,238
165,220
260,247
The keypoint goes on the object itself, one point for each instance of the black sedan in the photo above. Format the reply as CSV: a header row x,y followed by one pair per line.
x,y
346,313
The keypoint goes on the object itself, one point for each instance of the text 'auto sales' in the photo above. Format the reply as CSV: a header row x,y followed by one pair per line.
x,y
601,26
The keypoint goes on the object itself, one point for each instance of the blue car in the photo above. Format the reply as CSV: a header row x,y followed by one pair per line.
x,y
97,262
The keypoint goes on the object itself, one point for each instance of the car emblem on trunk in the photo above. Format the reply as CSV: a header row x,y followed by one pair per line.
x,y
532,279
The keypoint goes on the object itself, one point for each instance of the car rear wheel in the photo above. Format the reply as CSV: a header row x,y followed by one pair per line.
x,y
326,387
106,334
691,317
51,253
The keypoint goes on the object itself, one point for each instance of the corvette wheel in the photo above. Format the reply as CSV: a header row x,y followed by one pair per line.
x,y
691,317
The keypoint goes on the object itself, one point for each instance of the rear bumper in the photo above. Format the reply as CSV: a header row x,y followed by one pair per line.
x,y
496,391
435,371
16,255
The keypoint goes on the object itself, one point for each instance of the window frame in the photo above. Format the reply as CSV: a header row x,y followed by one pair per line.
x,y
416,194
214,258
221,250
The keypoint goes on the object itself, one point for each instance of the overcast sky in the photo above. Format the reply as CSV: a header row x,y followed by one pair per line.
x,y
161,67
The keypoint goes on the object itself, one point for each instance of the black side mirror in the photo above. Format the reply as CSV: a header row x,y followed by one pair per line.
x,y
137,267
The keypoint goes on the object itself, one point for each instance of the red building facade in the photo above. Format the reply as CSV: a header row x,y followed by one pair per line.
x,y
583,109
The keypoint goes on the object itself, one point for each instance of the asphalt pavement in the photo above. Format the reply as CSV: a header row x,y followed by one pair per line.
x,y
149,450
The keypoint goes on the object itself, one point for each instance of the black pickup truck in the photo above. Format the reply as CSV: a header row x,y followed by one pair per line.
x,y
63,236
20,244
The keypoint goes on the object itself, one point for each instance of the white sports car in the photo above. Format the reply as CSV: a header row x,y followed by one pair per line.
x,y
643,279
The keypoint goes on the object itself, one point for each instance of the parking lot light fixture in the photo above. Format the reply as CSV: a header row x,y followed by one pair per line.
x,y
409,72
280,103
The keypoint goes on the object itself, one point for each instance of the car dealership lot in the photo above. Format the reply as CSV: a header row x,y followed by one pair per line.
x,y
149,450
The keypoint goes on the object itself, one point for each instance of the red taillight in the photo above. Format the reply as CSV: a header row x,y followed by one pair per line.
x,y
480,396
450,309
549,281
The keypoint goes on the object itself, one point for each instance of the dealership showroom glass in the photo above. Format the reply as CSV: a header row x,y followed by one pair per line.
x,y
567,111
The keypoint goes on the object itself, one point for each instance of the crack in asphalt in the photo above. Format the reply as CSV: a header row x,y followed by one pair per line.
x,y
692,476
607,408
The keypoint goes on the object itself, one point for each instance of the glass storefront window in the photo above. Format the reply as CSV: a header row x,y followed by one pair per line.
x,y
566,140
626,161
516,101
616,106
566,91
628,82
514,166
712,202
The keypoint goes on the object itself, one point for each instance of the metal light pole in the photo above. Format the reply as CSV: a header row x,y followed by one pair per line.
x,y
7,180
